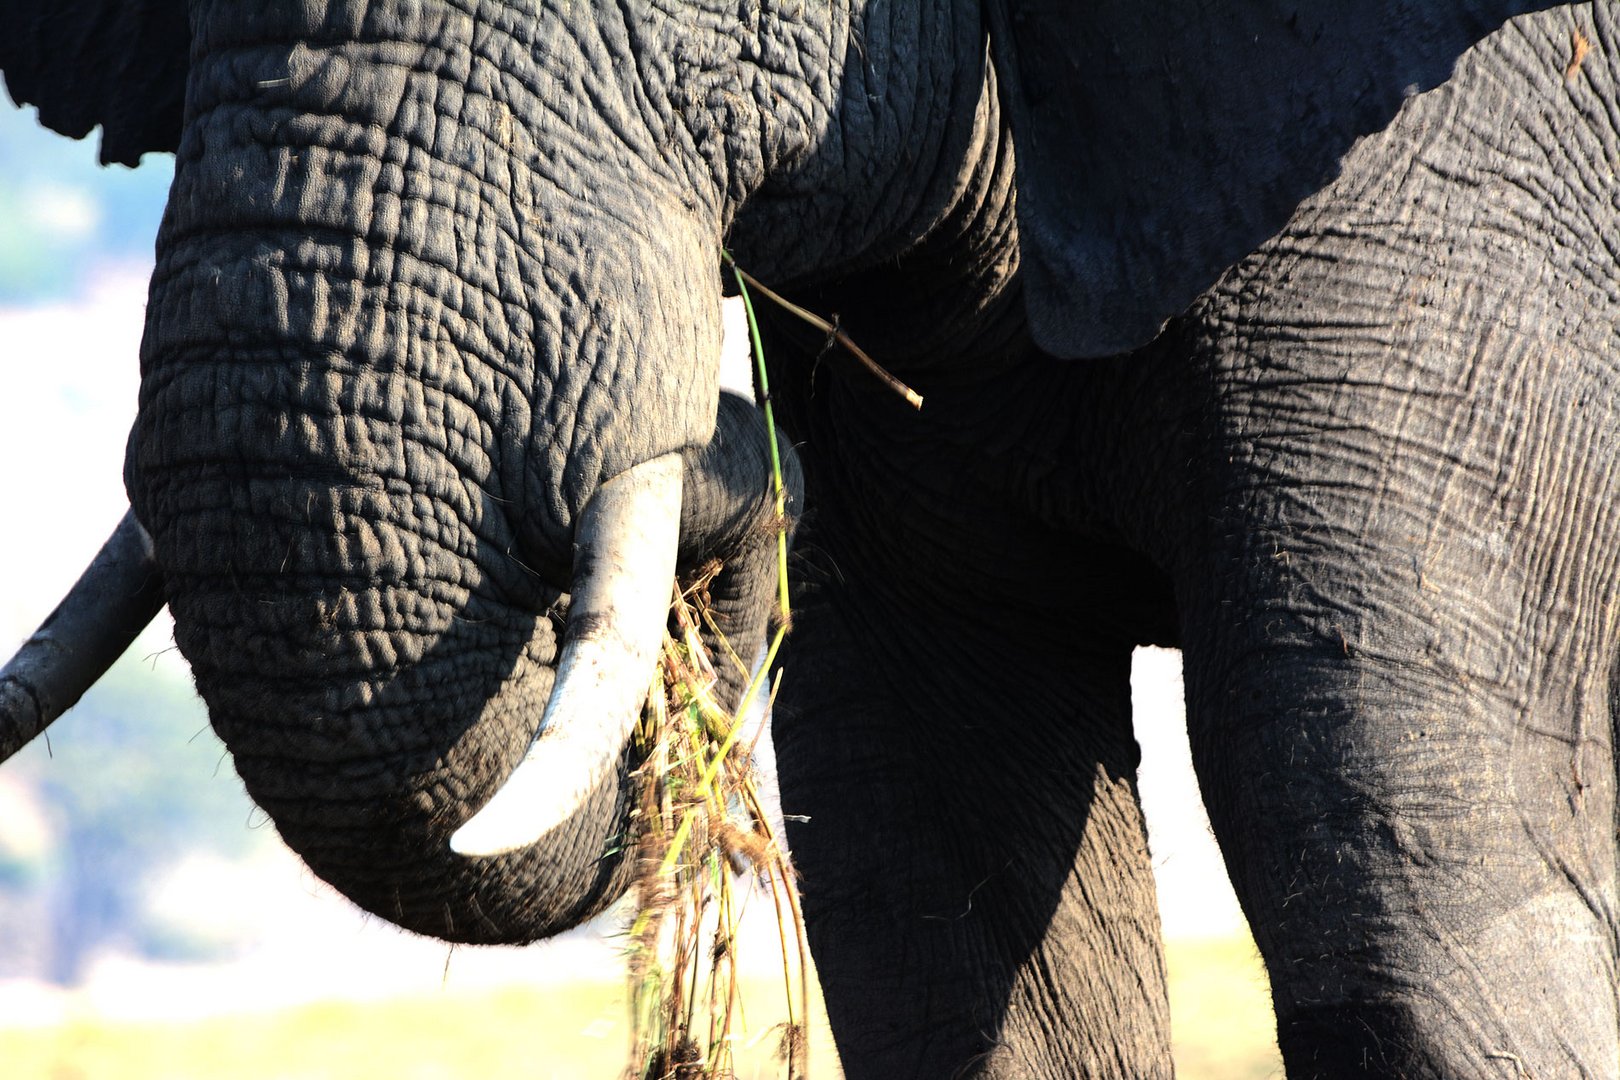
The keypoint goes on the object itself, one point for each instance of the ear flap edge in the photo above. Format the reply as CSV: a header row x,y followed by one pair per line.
x,y
85,63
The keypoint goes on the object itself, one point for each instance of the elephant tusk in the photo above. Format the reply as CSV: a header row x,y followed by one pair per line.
x,y
112,602
624,568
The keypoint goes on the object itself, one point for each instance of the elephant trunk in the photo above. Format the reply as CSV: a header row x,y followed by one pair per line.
x,y
371,719
392,362
378,669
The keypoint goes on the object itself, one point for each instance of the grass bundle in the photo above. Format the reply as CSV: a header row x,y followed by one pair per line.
x,y
703,826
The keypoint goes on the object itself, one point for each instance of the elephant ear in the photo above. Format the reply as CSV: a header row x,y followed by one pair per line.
x,y
118,63
1160,141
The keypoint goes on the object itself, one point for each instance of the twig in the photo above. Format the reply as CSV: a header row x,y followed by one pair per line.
x,y
833,332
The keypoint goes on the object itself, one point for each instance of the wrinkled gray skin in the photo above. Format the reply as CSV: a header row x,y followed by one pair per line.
x,y
1301,351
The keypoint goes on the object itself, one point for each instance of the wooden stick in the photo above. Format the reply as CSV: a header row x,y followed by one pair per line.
x,y
836,334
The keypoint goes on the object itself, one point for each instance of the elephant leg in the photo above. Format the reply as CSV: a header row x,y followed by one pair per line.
x,y
1424,848
1400,708
974,864
1399,608
1419,822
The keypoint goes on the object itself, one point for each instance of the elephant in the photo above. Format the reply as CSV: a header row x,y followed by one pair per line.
x,y
1284,334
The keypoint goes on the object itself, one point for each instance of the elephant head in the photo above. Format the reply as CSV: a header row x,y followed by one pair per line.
x,y
429,413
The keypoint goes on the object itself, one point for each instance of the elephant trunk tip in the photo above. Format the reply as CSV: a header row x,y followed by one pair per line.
x,y
624,570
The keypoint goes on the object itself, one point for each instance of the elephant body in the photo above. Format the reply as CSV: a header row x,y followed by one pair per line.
x,y
1309,369
1363,482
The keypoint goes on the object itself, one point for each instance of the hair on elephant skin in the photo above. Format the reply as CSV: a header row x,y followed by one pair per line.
x,y
1288,334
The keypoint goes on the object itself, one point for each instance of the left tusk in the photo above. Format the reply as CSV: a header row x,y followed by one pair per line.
x,y
624,569
112,602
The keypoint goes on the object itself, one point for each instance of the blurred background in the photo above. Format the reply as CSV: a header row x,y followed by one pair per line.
x,y
151,924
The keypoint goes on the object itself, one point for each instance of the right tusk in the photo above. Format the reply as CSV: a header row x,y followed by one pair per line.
x,y
624,569
112,602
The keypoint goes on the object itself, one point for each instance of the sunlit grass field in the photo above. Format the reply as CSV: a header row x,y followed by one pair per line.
x,y
1221,1012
